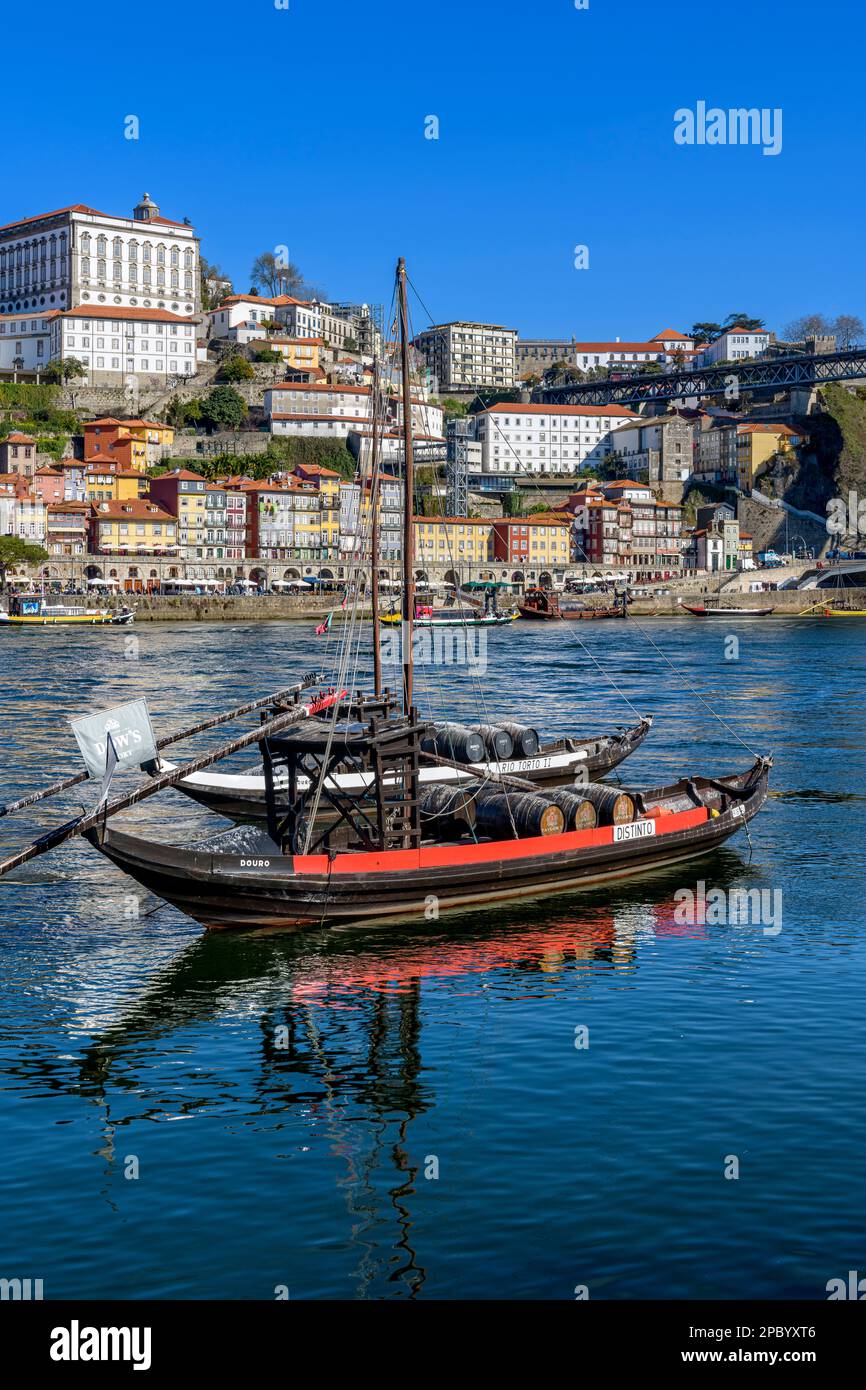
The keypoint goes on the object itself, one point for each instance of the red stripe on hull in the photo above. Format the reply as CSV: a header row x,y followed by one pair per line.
x,y
492,852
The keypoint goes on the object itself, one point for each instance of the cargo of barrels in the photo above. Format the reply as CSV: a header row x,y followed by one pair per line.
x,y
455,741
580,813
447,812
501,815
497,741
524,740
613,807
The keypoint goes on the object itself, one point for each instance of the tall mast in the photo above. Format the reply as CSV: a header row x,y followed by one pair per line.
x,y
408,494
374,543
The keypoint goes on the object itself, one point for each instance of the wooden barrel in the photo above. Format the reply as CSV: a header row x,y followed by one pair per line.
x,y
446,810
579,811
498,814
524,739
614,807
497,741
457,742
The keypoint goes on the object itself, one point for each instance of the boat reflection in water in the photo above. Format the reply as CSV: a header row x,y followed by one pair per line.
x,y
340,1019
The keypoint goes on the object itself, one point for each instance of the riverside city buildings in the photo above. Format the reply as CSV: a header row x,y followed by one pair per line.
x,y
536,355
464,356
527,438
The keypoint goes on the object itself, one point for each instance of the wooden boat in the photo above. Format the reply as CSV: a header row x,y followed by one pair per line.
x,y
242,796
27,611
443,618
400,845
700,611
543,604
265,887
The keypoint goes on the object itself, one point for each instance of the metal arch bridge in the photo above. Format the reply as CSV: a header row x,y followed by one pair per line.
x,y
755,374
838,576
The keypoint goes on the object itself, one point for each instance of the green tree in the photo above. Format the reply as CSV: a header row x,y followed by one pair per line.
x,y
14,551
267,355
705,332
223,409
236,368
64,369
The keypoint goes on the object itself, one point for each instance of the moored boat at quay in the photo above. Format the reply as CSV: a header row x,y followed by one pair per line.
x,y
557,762
35,611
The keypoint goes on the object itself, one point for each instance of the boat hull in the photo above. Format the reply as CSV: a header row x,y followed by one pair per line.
x,y
268,889
727,612
241,797
85,620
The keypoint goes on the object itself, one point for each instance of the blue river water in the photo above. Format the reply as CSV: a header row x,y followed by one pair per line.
x,y
580,1093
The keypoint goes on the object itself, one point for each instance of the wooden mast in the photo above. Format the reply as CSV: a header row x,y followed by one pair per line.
x,y
374,541
408,495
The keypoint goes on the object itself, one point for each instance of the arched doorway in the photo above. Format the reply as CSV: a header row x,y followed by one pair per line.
x,y
259,577
93,572
292,574
451,577
518,577
545,579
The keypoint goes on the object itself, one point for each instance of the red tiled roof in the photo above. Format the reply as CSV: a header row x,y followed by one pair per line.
x,y
92,212
519,408
122,311
138,509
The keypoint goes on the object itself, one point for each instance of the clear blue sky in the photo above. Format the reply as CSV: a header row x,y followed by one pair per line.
x,y
305,127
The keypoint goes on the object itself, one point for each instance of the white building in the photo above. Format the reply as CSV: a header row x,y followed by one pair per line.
x,y
117,345
732,345
22,513
24,342
519,438
328,410
77,255
535,355
251,310
466,356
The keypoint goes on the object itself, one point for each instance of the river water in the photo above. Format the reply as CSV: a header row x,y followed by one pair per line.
x,y
583,1093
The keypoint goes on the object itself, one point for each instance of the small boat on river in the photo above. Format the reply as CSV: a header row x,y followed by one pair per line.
x,y
34,611
702,611
545,605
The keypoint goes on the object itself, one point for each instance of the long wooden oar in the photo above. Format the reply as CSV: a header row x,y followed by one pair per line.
x,y
65,783
167,779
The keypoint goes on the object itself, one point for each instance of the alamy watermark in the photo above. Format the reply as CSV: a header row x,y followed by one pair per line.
x,y
439,645
737,126
736,907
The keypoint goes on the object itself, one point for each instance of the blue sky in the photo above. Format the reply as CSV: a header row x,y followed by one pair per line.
x,y
305,127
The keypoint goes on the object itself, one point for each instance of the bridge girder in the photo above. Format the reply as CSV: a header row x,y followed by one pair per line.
x,y
754,374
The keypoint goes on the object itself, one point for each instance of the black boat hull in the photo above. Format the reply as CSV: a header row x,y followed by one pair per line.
x,y
271,890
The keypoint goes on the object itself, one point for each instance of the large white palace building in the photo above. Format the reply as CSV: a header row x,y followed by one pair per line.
x,y
76,256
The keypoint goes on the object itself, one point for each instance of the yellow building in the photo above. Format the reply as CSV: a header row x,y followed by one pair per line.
x,y
757,441
133,527
452,540
105,480
295,352
183,494
135,443
327,484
